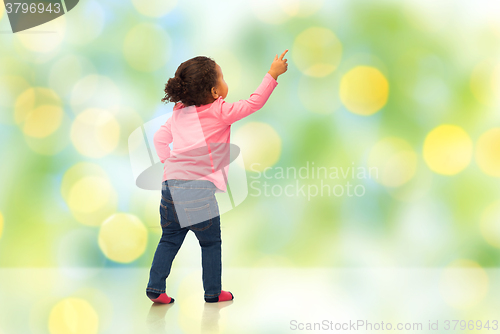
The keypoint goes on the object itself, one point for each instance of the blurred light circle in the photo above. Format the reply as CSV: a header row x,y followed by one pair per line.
x,y
76,173
490,224
98,297
364,90
43,121
464,283
38,112
95,91
1,224
67,71
260,145
88,193
447,149
80,29
123,237
301,8
11,86
46,42
146,47
33,98
395,160
319,95
270,12
154,8
488,152
95,133
485,82
317,51
73,316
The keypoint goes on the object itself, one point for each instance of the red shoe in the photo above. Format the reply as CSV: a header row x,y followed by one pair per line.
x,y
224,296
162,299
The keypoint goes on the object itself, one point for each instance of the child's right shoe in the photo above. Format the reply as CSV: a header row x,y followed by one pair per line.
x,y
224,296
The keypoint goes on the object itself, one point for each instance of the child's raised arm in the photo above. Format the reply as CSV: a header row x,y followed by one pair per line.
x,y
232,112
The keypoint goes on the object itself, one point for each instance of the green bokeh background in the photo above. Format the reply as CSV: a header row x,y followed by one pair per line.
x,y
426,52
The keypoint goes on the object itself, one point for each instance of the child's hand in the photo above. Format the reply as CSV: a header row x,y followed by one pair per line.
x,y
279,66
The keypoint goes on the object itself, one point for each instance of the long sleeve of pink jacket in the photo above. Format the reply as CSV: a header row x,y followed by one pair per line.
x,y
162,138
232,112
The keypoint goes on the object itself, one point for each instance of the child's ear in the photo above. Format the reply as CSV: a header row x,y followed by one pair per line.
x,y
214,93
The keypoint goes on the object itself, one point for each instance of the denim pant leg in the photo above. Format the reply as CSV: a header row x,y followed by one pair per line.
x,y
211,257
170,243
196,207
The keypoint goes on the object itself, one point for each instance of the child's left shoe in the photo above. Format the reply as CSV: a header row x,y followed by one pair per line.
x,y
160,298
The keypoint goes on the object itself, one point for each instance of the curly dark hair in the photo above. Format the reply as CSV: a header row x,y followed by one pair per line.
x,y
192,82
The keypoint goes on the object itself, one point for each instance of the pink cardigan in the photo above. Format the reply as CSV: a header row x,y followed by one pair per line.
x,y
200,136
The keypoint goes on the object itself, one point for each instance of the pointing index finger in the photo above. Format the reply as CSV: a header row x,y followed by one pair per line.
x,y
283,54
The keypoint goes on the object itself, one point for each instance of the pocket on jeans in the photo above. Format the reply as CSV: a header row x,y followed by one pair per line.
x,y
199,218
164,220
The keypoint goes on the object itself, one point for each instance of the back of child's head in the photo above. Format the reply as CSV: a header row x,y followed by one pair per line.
x,y
192,82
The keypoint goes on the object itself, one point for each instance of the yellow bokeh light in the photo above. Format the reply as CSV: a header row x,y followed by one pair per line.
x,y
1,224
395,160
1,11
76,173
488,152
73,316
154,8
364,90
317,51
485,81
88,193
123,237
44,43
260,145
31,99
490,224
146,47
38,112
43,121
447,149
301,8
95,133
464,283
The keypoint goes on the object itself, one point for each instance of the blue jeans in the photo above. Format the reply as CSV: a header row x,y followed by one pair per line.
x,y
197,197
